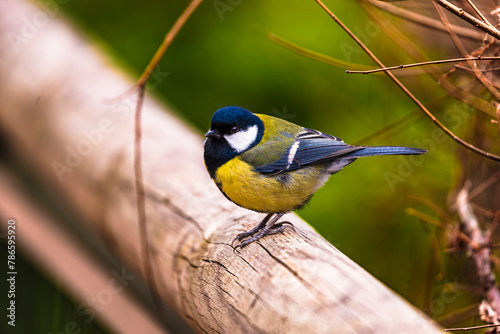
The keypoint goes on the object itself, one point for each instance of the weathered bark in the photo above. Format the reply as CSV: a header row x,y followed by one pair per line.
x,y
103,293
56,109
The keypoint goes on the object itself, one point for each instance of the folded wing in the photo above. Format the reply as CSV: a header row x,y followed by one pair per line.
x,y
314,147
310,147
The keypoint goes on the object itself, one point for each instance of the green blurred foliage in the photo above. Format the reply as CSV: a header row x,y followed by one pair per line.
x,y
224,58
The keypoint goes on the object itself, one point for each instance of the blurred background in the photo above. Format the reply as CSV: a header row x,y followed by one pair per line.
x,y
378,210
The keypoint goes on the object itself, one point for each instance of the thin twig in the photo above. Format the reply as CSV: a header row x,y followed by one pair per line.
x,y
469,328
315,55
478,12
403,87
483,70
434,207
169,37
498,117
461,48
493,227
437,223
424,217
141,205
423,20
397,123
392,126
339,63
495,177
425,63
461,93
469,18
139,182
479,254
456,316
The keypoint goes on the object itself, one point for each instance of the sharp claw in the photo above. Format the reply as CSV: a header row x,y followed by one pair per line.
x,y
279,225
240,237
237,238
241,244
245,243
235,247
260,230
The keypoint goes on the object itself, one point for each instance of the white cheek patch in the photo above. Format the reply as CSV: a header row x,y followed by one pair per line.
x,y
241,140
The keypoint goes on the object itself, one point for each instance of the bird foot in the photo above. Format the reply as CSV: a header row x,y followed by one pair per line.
x,y
259,231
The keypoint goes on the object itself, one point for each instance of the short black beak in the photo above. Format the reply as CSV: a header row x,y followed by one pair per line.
x,y
213,134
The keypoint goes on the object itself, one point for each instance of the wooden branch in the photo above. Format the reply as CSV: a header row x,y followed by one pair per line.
x,y
424,63
479,251
62,256
55,93
406,90
484,26
423,19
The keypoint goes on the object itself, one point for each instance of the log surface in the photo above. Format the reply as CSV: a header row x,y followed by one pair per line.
x,y
57,110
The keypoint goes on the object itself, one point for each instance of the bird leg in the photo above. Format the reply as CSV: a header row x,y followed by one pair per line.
x,y
279,227
265,227
261,225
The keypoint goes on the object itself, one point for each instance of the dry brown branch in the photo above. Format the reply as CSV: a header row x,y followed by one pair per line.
x,y
138,176
478,12
498,117
460,46
469,328
407,92
167,41
479,251
409,47
300,50
425,63
52,92
59,255
424,20
487,28
466,312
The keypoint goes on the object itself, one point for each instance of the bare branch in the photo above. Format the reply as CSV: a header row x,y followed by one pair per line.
x,y
169,38
423,20
315,55
403,87
291,282
498,117
138,178
460,46
469,328
460,93
469,18
479,252
425,63
478,12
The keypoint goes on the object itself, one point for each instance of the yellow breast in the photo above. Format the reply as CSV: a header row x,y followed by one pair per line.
x,y
268,193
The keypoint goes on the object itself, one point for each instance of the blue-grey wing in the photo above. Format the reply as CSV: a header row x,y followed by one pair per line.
x,y
310,147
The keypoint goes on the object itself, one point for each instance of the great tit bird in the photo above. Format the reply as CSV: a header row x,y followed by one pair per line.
x,y
269,165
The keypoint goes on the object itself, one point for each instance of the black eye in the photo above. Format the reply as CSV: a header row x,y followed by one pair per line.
x,y
235,129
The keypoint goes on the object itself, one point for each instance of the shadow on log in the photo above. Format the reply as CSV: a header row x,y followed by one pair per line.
x,y
57,109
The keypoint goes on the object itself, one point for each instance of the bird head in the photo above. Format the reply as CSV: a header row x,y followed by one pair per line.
x,y
233,130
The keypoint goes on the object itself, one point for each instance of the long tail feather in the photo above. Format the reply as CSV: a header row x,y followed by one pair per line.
x,y
385,150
